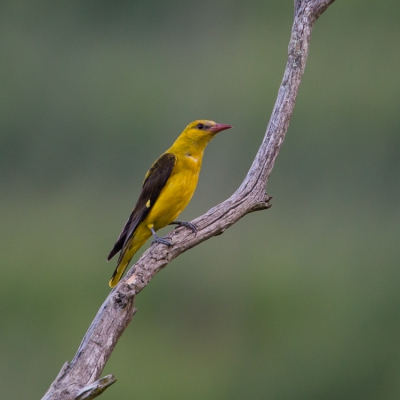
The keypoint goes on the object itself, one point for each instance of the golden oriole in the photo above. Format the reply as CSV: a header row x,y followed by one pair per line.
x,y
167,189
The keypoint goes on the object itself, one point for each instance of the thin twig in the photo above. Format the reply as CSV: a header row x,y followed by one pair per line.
x,y
96,388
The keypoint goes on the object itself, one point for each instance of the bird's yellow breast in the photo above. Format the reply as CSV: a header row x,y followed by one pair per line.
x,y
177,192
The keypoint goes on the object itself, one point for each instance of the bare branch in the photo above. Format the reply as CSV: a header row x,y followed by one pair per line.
x,y
75,380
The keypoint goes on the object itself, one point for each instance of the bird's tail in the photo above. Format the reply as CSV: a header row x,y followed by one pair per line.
x,y
130,248
119,271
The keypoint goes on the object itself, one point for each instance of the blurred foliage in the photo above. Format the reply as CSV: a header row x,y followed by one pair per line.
x,y
298,302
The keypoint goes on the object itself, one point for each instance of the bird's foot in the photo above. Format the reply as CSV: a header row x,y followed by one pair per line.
x,y
162,240
189,225
158,239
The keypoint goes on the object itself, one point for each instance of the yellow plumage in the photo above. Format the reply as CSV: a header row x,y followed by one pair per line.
x,y
168,187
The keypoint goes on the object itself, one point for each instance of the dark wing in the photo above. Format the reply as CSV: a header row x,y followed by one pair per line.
x,y
154,182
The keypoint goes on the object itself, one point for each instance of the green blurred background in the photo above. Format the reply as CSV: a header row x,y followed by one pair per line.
x,y
298,302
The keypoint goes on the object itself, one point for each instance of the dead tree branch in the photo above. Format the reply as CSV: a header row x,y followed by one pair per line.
x,y
79,379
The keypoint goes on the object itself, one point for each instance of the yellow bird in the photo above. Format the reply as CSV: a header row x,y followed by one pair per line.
x,y
167,189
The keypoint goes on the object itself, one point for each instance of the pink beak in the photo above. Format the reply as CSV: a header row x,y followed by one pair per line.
x,y
219,127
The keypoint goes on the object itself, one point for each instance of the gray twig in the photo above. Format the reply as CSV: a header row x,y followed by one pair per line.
x,y
96,388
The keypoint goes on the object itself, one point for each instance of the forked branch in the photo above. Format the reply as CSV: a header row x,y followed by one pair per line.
x,y
80,378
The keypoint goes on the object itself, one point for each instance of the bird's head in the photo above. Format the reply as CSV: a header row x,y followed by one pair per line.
x,y
203,130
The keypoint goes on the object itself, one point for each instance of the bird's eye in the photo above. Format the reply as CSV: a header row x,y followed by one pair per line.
x,y
200,126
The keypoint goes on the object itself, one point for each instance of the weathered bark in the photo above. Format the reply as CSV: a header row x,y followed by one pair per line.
x,y
79,379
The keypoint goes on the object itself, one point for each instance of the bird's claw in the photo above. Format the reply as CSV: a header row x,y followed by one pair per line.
x,y
162,241
188,225
157,239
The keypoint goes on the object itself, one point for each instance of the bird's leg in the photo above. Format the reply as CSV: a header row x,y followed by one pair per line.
x,y
189,225
157,239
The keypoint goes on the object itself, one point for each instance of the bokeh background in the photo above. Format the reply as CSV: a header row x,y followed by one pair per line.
x,y
298,302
